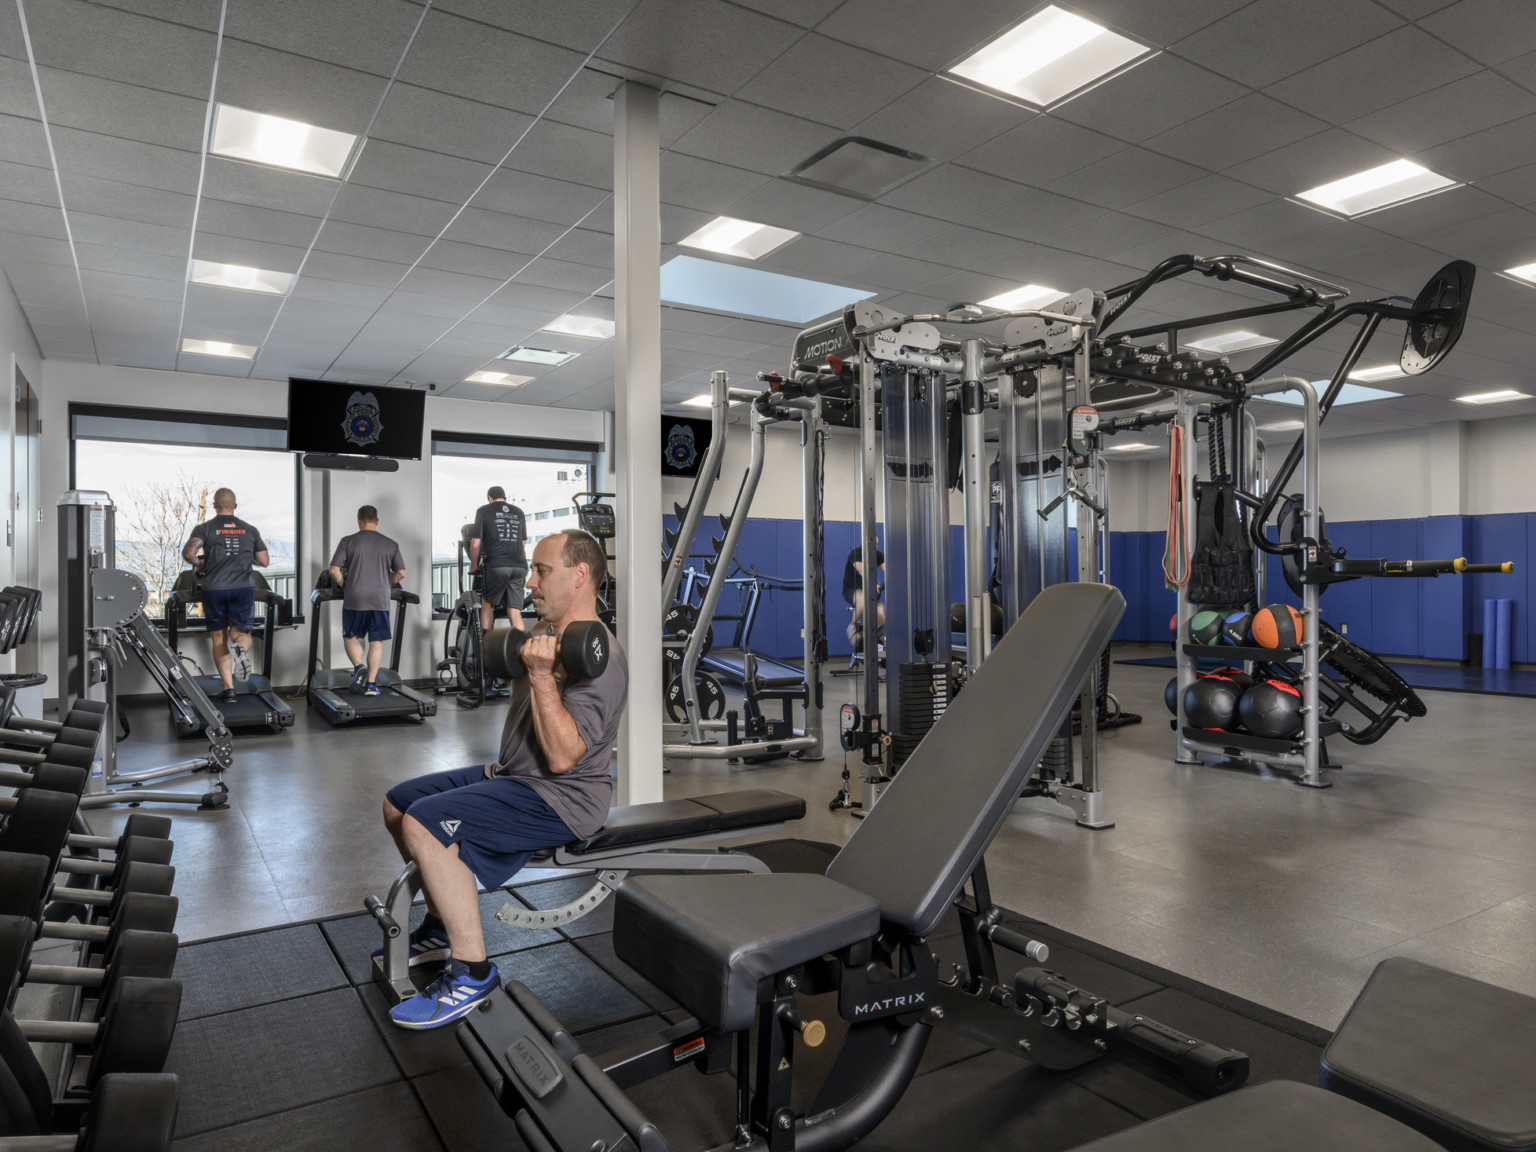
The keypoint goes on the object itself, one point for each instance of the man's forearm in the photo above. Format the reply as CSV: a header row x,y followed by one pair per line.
x,y
337,576
189,553
556,728
397,577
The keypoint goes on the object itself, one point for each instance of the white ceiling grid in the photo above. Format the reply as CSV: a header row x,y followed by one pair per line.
x,y
479,208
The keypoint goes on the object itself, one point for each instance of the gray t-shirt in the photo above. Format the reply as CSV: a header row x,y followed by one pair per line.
x,y
582,796
229,548
367,559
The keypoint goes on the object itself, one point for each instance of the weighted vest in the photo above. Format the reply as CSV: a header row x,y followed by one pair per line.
x,y
1221,570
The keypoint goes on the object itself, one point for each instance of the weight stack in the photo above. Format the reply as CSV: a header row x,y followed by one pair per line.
x,y
923,694
1056,764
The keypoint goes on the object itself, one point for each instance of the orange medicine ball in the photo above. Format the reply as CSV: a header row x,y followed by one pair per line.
x,y
1278,626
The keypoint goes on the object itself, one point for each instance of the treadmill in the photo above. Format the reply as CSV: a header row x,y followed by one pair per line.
x,y
736,663
329,688
257,704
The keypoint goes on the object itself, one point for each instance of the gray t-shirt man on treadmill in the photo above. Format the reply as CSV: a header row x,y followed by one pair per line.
x,y
367,564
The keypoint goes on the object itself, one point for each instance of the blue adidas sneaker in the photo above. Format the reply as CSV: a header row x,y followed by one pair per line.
x,y
453,994
428,945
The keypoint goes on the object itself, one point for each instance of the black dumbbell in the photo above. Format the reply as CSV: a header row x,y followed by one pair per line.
x,y
125,1113
134,953
582,650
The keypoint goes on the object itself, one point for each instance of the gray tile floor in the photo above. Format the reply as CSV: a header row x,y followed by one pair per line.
x,y
1426,846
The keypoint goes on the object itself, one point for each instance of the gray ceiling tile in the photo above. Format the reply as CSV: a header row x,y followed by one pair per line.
x,y
551,302
1507,227
406,330
128,201
585,247
263,187
252,223
101,41
806,13
500,230
901,273
706,43
17,95
942,119
354,269
539,197
1485,153
113,108
506,319
1152,97
368,35
1459,109
577,24
42,249
1258,226
885,229
952,192
1308,163
962,247
327,302
1126,178
1200,202
1041,150
679,319
1442,210
476,61
1522,69
1358,82
1491,31
449,285
373,243
438,122
1517,186
123,260
754,138
1037,215
821,259
146,287
416,172
1107,235
489,339
566,153
703,184
474,260
1258,44
786,204
830,82
245,252
297,87
927,35
1416,9
1236,132
109,158
28,184
547,273
193,13
219,309
1160,24
379,208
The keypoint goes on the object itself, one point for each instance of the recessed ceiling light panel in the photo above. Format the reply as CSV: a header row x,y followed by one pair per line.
x,y
1029,296
1048,57
732,237
589,326
548,356
1282,426
1502,396
751,292
1224,343
219,348
218,275
1526,272
1349,394
261,139
505,379
1376,188
1378,372
858,166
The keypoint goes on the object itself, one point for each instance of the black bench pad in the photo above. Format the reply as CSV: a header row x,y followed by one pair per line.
x,y
1451,1056
638,824
708,940
1281,1116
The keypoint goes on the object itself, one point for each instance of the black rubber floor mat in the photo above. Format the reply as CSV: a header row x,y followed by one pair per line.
x,y
599,949
417,1053
242,1065
387,1119
465,1113
579,993
262,968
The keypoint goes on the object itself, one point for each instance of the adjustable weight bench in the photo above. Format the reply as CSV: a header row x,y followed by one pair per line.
x,y
649,836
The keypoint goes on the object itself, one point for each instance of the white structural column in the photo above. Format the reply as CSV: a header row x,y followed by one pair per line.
x,y
637,431
1448,469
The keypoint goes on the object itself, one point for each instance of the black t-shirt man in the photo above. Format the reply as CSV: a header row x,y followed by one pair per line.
x,y
852,581
496,549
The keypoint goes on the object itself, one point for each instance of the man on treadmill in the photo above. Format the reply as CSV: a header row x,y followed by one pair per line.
x,y
496,550
367,564
230,548
551,783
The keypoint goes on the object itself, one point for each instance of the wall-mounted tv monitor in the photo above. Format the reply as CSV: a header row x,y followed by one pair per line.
x,y
683,444
354,419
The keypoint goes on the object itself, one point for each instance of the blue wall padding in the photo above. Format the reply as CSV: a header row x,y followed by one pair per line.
x,y
1393,617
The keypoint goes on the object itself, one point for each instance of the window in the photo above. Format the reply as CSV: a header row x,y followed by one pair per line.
x,y
539,476
161,469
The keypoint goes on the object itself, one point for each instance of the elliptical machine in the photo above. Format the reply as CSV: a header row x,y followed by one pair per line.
x,y
461,671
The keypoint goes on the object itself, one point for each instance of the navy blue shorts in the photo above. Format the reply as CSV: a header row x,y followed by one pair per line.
x,y
230,608
498,822
359,623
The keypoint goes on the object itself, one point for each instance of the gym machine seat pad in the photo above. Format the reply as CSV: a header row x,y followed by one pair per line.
x,y
1280,1116
723,813
1443,1053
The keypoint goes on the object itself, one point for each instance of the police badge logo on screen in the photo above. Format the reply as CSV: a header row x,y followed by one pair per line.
x,y
684,444
362,425
682,452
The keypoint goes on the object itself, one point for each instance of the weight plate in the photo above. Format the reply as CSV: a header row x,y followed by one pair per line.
x,y
1292,528
681,620
711,699
1442,312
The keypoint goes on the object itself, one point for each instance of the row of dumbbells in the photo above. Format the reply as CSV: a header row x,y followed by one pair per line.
x,y
109,900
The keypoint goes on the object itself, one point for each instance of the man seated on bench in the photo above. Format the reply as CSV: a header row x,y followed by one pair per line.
x,y
550,784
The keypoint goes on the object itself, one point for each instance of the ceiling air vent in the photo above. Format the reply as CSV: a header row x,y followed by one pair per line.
x,y
855,166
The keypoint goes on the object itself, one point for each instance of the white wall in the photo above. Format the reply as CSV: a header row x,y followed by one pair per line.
x,y
329,500
18,350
